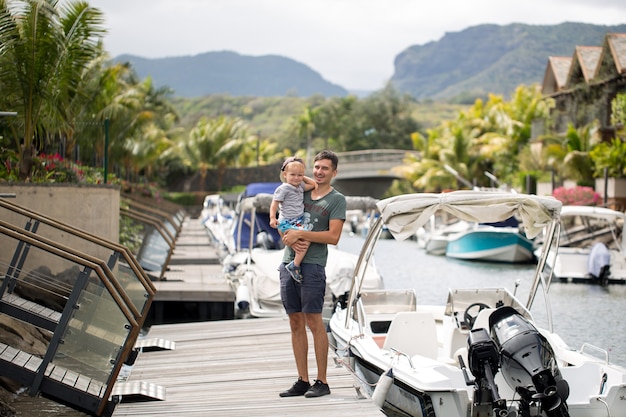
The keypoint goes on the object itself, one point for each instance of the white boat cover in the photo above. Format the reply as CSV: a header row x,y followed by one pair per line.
x,y
405,214
592,211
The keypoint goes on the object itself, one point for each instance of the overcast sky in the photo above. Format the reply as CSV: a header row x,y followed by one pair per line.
x,y
349,42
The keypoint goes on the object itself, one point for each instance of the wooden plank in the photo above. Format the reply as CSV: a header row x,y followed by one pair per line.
x,y
31,307
95,388
82,383
57,373
33,363
70,378
9,353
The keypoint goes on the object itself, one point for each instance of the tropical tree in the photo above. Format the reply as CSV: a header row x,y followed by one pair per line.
x,y
215,143
574,152
306,129
610,157
45,47
489,136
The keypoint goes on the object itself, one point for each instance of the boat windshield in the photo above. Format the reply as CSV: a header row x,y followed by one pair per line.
x,y
460,299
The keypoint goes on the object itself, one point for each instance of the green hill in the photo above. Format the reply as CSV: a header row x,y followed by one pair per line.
x,y
490,58
230,73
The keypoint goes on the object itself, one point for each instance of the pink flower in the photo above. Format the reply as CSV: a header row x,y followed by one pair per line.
x,y
577,196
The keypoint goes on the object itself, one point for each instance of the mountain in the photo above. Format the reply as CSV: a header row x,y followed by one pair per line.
x,y
473,62
490,58
230,73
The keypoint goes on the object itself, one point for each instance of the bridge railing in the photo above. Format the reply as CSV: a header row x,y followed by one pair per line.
x,y
395,156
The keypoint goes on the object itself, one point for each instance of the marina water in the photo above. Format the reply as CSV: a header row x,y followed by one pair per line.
x,y
580,312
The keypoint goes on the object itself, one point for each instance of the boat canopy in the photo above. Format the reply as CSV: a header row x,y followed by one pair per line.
x,y
592,211
405,214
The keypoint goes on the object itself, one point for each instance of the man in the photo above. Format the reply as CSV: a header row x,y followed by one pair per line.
x,y
304,301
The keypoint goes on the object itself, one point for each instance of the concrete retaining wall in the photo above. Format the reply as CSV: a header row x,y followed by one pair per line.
x,y
92,208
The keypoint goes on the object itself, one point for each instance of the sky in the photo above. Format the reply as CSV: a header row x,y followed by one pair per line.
x,y
352,43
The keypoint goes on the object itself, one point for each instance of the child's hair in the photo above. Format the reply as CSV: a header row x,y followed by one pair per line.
x,y
290,160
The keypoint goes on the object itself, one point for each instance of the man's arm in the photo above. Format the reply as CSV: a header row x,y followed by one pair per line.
x,y
329,237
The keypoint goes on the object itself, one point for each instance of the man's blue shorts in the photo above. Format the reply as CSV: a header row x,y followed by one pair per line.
x,y
307,297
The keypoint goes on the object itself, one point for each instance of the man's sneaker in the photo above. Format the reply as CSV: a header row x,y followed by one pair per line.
x,y
318,389
300,387
294,271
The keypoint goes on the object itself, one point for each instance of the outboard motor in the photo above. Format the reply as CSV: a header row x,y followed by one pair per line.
x,y
528,364
484,360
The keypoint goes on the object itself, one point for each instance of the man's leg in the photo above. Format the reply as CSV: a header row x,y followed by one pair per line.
x,y
320,343
300,343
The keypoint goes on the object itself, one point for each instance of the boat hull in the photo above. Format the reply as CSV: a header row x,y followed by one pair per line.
x,y
491,245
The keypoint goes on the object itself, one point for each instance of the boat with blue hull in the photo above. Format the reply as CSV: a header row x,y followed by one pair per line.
x,y
491,243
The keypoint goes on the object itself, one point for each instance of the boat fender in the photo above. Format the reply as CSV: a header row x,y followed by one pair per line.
x,y
242,297
351,359
382,388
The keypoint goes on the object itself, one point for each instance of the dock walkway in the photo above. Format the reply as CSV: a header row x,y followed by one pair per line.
x,y
236,368
227,367
193,278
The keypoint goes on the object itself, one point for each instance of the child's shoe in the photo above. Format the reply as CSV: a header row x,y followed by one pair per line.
x,y
294,271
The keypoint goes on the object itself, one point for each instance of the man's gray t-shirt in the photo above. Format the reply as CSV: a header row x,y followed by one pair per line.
x,y
331,206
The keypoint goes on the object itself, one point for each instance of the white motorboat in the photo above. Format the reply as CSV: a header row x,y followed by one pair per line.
x,y
480,353
218,220
435,238
592,246
252,269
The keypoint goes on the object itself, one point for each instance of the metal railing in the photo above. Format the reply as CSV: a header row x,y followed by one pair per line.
x,y
89,295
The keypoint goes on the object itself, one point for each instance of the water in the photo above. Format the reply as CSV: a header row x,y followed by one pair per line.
x,y
580,312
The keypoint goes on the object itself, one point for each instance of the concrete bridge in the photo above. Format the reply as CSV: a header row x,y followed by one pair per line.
x,y
368,172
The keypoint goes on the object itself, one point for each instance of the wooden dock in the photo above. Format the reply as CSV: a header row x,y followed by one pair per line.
x,y
194,279
236,368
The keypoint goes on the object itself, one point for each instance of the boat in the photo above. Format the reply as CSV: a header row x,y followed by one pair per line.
x,y
492,242
435,237
592,246
481,352
252,268
218,218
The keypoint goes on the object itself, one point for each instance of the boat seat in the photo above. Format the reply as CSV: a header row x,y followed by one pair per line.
x,y
482,319
458,340
413,333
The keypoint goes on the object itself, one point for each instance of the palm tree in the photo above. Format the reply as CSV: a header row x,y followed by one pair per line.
x,y
577,163
45,46
215,143
306,128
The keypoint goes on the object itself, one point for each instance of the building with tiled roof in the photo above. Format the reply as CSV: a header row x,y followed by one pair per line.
x,y
584,85
555,76
583,65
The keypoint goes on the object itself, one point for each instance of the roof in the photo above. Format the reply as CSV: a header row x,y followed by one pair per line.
x,y
587,64
555,78
584,63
